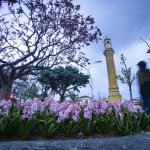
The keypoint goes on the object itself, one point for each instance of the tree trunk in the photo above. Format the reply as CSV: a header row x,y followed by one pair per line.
x,y
62,98
5,90
130,90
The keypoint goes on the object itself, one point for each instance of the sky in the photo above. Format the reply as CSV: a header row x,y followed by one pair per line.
x,y
124,22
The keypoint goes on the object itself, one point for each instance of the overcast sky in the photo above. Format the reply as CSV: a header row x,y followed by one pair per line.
x,y
124,21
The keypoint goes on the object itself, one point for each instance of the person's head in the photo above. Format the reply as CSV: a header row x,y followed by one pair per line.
x,y
142,65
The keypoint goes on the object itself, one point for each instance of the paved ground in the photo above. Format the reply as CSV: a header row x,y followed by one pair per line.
x,y
133,142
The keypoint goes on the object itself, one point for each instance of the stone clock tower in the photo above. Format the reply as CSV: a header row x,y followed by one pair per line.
x,y
114,95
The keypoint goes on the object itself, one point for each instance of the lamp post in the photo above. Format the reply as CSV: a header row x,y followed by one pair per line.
x,y
91,81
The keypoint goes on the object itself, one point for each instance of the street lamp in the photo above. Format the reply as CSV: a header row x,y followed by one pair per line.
x,y
91,81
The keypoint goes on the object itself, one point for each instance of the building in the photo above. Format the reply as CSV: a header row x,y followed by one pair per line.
x,y
19,85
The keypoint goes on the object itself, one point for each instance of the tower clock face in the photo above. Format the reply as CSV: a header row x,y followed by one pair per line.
x,y
108,46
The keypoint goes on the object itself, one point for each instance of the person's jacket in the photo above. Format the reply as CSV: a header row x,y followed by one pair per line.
x,y
144,82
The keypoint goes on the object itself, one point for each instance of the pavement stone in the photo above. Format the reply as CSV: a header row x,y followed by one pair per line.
x,y
132,142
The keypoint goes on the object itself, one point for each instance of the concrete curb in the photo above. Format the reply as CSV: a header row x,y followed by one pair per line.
x,y
132,142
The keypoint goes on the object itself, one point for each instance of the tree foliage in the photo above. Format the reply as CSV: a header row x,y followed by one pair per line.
x,y
37,35
63,79
127,77
30,92
10,2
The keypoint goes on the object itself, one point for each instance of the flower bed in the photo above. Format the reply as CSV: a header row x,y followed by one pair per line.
x,y
28,119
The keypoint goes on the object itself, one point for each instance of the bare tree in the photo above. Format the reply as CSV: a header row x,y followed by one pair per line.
x,y
127,77
146,44
39,35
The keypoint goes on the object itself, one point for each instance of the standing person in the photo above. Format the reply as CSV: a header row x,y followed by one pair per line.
x,y
144,84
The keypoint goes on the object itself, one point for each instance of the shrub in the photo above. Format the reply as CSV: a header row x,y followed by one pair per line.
x,y
27,118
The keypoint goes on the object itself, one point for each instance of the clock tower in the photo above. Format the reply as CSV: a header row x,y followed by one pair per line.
x,y
114,95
